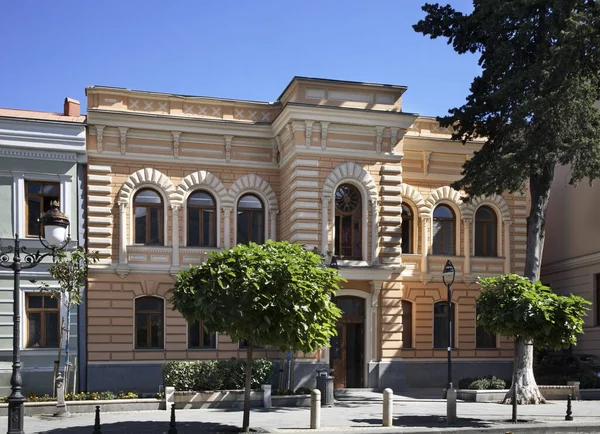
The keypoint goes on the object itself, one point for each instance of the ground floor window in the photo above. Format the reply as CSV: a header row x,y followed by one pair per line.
x,y
43,321
200,337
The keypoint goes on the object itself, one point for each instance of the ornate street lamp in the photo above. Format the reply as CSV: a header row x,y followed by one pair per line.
x,y
448,278
53,224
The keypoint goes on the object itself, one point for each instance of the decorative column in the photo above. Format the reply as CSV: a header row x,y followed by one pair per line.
x,y
375,232
325,224
273,223
393,139
99,131
226,226
308,126
467,242
372,350
228,140
176,136
507,267
379,136
123,136
175,254
424,264
122,233
324,127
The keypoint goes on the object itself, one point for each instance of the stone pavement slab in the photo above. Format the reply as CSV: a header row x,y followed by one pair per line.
x,y
416,416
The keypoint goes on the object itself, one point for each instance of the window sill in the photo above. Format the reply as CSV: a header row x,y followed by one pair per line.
x,y
148,350
486,349
202,349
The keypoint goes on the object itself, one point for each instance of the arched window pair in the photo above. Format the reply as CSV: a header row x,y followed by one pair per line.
x,y
201,219
444,231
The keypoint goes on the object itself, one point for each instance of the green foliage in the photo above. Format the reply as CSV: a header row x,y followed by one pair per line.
x,y
81,396
482,383
512,305
587,379
215,375
276,294
70,269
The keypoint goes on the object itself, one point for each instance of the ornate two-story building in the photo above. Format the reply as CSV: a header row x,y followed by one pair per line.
x,y
333,165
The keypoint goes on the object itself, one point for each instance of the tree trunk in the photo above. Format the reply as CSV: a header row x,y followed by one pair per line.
x,y
527,390
247,389
539,189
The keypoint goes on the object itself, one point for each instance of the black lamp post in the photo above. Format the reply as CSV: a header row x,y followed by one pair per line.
x,y
448,278
54,225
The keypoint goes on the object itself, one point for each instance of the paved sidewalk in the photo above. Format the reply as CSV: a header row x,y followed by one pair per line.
x,y
410,416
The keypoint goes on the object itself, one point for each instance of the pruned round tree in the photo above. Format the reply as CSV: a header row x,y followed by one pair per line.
x,y
512,305
275,295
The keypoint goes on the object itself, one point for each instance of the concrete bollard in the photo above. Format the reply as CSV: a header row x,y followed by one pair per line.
x,y
169,397
61,405
315,409
451,406
266,395
388,406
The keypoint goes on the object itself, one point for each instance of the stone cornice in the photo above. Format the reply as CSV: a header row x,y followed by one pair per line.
x,y
42,154
571,263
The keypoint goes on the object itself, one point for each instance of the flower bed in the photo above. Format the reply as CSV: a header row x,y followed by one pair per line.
x,y
82,396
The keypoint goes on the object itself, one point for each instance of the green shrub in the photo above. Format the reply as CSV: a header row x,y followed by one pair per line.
x,y
482,383
215,375
587,380
302,391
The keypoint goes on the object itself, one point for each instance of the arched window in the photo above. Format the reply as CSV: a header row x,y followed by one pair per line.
x,y
486,224
407,324
201,220
407,229
250,220
484,339
348,213
148,211
440,324
443,231
149,323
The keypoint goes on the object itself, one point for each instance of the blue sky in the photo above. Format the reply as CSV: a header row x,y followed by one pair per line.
x,y
232,49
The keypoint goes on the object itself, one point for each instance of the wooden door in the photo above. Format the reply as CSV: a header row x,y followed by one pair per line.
x,y
347,348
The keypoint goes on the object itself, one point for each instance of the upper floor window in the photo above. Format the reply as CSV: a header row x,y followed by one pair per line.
x,y
440,325
149,323
407,229
148,212
486,224
201,220
407,320
250,220
443,231
348,213
484,339
43,321
199,337
38,196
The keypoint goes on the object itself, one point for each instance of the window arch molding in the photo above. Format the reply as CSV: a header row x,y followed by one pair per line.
x,y
413,199
253,184
355,175
151,179
498,205
203,180
451,198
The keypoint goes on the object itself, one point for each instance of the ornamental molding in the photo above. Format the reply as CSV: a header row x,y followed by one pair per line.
x,y
350,170
148,176
41,155
202,179
443,193
495,201
409,192
253,183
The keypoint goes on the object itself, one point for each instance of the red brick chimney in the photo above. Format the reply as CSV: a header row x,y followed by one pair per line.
x,y
72,107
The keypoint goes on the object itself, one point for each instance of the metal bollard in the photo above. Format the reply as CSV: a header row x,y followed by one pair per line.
x,y
315,409
388,406
97,422
172,427
569,412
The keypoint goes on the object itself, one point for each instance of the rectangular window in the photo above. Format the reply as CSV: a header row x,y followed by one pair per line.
x,y
38,196
199,337
406,324
43,321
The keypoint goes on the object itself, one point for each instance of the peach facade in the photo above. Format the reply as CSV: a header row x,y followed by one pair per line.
x,y
293,155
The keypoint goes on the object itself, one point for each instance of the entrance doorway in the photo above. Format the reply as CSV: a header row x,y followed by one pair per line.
x,y
348,347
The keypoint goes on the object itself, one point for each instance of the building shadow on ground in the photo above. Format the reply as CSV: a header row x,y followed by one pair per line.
x,y
429,422
152,427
